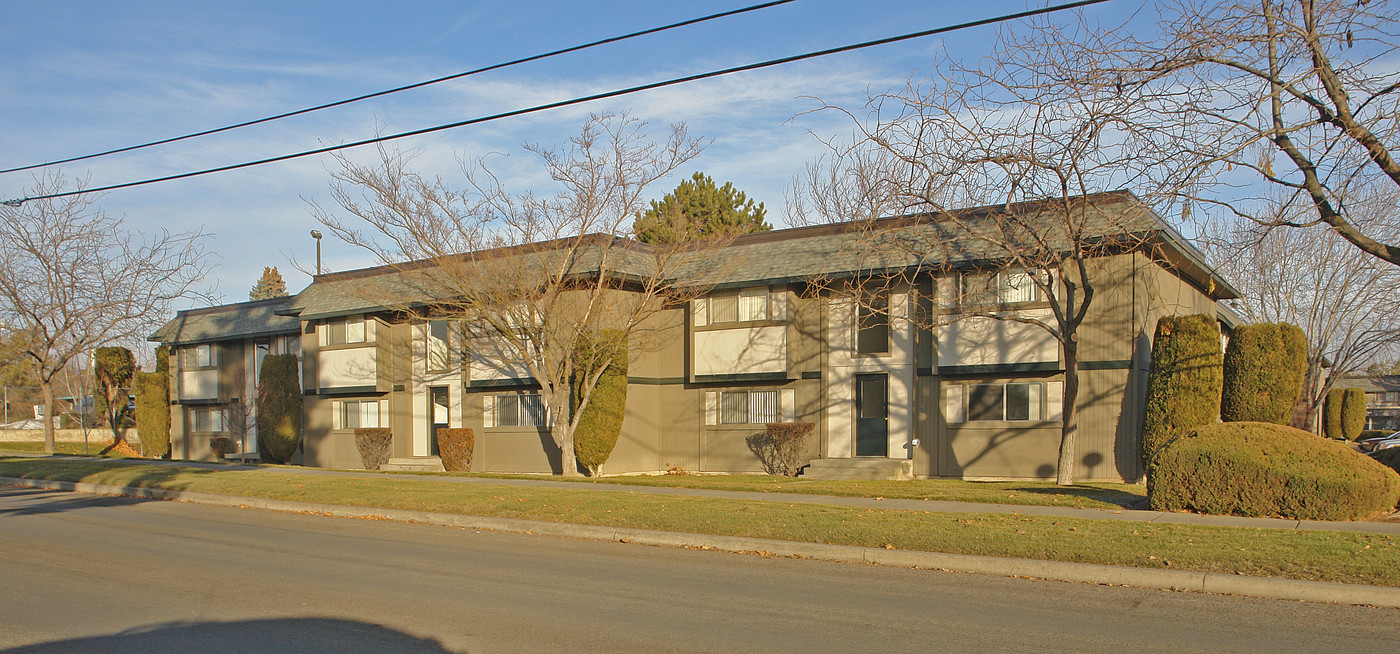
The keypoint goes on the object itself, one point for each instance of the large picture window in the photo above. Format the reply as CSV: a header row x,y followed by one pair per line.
x,y
342,331
199,356
1004,287
353,414
747,305
207,420
748,407
1009,402
519,410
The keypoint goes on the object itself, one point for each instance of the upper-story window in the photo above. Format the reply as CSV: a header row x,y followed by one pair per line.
x,y
437,335
873,323
199,356
1003,287
340,331
744,305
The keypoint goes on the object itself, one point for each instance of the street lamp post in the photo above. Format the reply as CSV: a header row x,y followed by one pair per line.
x,y
316,234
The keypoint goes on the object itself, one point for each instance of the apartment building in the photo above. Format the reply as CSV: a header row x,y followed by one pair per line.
x,y
911,374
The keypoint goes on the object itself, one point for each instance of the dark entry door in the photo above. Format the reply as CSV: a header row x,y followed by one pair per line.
x,y
437,419
872,415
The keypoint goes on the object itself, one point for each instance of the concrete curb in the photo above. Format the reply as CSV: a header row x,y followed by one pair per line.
x,y
1180,580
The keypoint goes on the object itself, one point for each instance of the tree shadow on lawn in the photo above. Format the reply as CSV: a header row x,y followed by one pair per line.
x,y
1120,498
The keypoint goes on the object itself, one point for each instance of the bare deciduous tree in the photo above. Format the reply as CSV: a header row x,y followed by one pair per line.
x,y
532,277
1248,96
1347,302
73,278
1006,131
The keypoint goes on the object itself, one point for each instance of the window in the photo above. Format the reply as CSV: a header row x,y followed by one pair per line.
x,y
207,420
1013,402
353,414
873,324
747,305
748,407
199,356
1005,287
519,410
341,331
437,346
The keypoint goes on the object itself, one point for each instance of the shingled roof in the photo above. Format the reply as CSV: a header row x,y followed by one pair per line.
x,y
780,256
229,321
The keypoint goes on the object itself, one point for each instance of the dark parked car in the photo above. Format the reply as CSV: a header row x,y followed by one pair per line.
x,y
1380,442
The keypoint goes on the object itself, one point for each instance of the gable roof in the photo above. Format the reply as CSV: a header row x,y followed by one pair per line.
x,y
229,321
775,257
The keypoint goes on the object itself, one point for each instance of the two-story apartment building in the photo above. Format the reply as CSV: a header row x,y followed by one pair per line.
x,y
908,373
216,354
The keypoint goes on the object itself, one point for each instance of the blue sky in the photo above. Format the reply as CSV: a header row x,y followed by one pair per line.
x,y
81,77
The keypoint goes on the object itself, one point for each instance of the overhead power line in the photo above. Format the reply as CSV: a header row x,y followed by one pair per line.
x,y
578,100
408,87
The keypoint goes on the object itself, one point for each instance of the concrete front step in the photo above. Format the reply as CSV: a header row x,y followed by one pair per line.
x,y
870,468
414,464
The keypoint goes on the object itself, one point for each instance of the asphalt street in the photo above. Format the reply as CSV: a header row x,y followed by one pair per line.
x,y
108,574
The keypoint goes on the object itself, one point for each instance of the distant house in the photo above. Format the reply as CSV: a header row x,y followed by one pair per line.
x,y
1382,398
976,398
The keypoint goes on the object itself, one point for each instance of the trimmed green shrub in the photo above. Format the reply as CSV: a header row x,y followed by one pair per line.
x,y
1353,413
601,422
222,446
455,448
782,447
1263,373
279,408
1332,414
1389,457
1183,384
153,406
373,443
1263,469
1373,433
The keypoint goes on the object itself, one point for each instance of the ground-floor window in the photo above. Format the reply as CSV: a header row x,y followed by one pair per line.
x,y
515,410
1003,401
353,414
207,419
748,407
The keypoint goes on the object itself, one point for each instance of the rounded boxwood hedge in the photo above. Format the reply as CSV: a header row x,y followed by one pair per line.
x,y
1263,373
1183,385
455,447
1344,414
1389,457
1262,469
601,423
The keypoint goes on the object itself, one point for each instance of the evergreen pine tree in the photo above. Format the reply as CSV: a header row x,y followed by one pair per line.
x,y
699,209
270,285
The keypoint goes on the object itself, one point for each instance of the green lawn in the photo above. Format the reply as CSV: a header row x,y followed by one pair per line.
x,y
1313,555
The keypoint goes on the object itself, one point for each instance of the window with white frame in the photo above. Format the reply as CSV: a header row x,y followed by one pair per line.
x,y
515,410
353,414
199,356
1003,287
748,407
1004,402
342,331
745,305
437,346
207,419
873,323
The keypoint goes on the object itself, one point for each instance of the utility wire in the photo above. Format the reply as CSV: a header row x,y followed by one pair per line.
x,y
579,100
367,96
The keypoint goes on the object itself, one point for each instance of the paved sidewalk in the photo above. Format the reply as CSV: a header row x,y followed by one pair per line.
x,y
939,506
